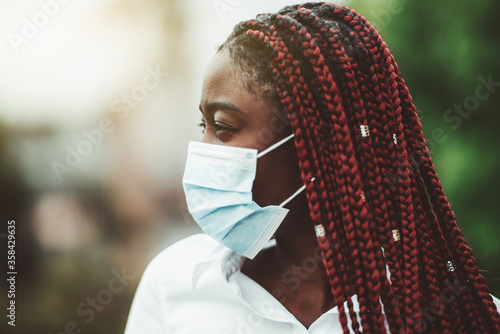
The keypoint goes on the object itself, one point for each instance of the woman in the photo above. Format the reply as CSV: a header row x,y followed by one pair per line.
x,y
307,108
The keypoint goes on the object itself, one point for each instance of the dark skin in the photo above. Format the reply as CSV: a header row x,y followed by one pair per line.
x,y
234,116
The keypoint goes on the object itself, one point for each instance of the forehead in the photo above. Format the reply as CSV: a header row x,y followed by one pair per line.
x,y
225,81
222,76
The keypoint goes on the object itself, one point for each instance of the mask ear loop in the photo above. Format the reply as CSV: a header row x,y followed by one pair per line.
x,y
301,189
269,149
272,147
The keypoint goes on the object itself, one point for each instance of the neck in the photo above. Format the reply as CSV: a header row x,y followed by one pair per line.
x,y
293,271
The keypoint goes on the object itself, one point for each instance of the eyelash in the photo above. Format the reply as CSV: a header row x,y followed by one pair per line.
x,y
218,127
203,127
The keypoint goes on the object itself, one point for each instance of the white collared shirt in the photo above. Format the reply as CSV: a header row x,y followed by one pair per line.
x,y
196,286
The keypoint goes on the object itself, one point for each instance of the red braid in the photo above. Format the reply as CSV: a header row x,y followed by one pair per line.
x,y
303,98
358,103
328,92
335,76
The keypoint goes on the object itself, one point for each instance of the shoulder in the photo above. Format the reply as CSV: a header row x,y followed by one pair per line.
x,y
168,274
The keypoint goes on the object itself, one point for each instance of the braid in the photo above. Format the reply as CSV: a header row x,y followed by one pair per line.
x,y
410,264
467,272
369,168
303,98
334,75
329,91
357,102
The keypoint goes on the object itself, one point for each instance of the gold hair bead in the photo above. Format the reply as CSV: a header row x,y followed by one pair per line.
x,y
450,266
320,231
395,235
365,131
363,196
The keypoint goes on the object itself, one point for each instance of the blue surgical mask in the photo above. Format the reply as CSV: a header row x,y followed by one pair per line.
x,y
218,184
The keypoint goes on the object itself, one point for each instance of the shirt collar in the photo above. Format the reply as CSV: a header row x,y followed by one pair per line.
x,y
214,256
230,263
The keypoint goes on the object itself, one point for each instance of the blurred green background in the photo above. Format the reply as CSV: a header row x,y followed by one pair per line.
x,y
125,202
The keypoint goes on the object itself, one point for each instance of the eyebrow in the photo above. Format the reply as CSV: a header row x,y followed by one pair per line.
x,y
214,106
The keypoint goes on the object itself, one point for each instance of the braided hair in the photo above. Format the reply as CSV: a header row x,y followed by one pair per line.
x,y
376,198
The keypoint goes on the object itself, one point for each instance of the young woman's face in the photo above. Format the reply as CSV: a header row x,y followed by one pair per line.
x,y
234,116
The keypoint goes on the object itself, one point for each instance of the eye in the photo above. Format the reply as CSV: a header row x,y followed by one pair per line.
x,y
222,127
223,132
203,127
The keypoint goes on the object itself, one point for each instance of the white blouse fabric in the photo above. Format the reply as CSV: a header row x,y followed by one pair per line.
x,y
196,287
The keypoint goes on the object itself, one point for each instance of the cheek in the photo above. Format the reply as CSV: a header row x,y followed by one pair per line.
x,y
278,176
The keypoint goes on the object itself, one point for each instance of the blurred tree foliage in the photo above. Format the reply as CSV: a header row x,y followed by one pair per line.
x,y
442,48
